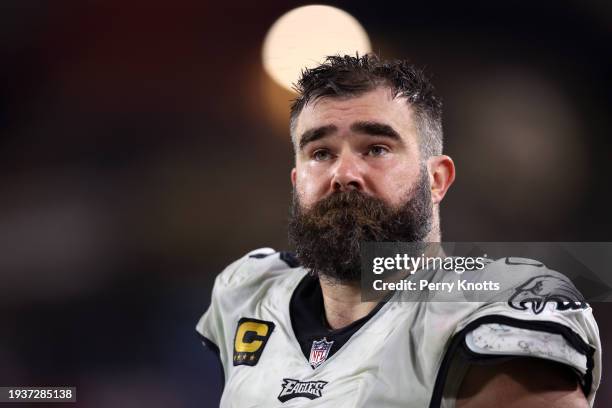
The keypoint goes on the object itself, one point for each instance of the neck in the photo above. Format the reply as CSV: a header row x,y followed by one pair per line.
x,y
434,232
343,303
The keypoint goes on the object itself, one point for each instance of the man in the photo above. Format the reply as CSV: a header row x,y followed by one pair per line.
x,y
292,331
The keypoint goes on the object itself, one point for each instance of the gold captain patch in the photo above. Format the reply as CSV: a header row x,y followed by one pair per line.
x,y
250,340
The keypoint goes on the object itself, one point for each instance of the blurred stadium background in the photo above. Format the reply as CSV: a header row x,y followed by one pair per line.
x,y
143,148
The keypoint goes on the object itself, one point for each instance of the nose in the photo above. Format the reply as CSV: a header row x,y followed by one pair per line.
x,y
347,173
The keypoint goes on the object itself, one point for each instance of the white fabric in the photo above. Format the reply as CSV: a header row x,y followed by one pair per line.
x,y
392,361
500,339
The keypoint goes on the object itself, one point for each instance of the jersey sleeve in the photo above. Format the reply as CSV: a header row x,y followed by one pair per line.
x,y
543,316
211,326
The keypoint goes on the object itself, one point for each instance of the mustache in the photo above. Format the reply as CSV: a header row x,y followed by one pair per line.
x,y
348,208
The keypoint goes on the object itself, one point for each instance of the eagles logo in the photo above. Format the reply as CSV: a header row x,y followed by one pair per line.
x,y
306,389
542,289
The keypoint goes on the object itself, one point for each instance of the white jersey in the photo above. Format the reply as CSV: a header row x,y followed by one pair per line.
x,y
404,354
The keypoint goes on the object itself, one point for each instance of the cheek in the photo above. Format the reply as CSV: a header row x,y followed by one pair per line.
x,y
395,183
310,184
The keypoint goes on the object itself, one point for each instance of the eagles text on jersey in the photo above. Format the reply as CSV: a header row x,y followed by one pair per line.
x,y
266,322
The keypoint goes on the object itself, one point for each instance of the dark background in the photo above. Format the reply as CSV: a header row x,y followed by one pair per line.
x,y
143,148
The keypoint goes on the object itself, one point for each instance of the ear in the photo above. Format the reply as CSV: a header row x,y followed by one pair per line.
x,y
441,176
293,176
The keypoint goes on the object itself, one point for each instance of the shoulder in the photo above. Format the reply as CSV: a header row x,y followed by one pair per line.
x,y
515,271
529,285
255,267
261,275
538,313
523,283
533,298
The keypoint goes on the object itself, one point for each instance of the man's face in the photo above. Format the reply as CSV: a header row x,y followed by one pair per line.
x,y
358,177
367,143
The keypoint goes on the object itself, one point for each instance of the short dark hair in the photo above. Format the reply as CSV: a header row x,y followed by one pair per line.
x,y
349,76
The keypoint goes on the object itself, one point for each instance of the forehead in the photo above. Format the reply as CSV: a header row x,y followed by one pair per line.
x,y
378,105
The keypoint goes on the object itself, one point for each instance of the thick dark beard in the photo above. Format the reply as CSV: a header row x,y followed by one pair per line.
x,y
327,237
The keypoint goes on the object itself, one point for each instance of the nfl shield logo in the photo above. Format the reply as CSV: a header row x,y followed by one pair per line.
x,y
319,352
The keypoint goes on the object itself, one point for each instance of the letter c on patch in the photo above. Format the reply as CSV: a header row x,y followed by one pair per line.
x,y
250,340
248,335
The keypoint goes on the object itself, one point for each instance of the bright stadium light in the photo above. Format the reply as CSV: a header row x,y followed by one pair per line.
x,y
304,36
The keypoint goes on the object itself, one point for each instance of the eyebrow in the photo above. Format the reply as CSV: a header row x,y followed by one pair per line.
x,y
376,129
365,127
317,133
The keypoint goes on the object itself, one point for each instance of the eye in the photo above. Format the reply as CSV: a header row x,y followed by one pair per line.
x,y
377,150
321,155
